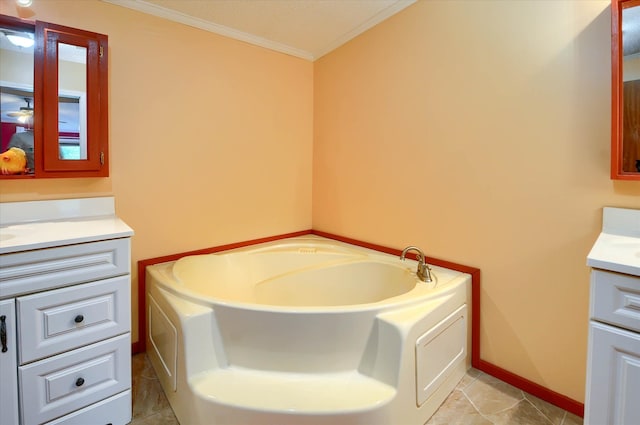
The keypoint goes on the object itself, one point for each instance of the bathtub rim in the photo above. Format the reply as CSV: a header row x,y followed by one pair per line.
x,y
165,274
140,345
399,301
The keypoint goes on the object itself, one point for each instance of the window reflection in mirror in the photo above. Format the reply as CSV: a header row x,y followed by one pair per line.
x,y
16,92
72,105
631,87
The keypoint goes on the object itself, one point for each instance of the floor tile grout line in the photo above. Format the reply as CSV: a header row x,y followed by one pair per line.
x,y
500,411
548,419
541,412
524,398
473,379
476,408
564,417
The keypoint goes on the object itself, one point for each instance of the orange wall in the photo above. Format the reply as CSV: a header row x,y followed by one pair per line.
x,y
210,138
476,130
479,131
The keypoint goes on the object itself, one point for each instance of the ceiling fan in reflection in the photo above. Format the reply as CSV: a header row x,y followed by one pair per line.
x,y
24,114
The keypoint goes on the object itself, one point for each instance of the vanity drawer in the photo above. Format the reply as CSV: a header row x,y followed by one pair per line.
x,y
115,410
59,385
42,269
66,318
615,299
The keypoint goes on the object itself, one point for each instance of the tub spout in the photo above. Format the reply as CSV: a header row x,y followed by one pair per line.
x,y
424,271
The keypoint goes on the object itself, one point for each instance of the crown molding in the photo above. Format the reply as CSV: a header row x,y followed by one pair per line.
x,y
172,15
370,23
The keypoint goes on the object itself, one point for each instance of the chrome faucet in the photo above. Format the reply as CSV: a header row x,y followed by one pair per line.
x,y
424,271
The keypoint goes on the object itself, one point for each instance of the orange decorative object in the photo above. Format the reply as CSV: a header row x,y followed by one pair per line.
x,y
13,161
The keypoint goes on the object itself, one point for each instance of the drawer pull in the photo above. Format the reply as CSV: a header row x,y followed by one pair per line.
x,y
79,382
3,333
79,318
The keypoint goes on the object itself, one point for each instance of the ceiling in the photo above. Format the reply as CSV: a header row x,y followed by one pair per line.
x,y
304,28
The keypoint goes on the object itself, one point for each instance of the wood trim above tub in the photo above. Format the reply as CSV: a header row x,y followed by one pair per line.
x,y
530,387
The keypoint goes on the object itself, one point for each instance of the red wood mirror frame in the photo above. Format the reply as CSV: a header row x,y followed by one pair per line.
x,y
625,110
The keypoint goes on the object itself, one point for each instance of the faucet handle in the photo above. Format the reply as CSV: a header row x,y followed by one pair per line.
x,y
424,272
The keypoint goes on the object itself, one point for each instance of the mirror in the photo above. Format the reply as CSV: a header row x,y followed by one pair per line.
x,y
53,100
72,102
16,90
625,111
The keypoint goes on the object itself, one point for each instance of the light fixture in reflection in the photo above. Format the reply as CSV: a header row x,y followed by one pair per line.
x,y
24,3
20,40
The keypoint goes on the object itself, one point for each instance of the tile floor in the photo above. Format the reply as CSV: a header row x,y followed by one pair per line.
x,y
479,399
150,406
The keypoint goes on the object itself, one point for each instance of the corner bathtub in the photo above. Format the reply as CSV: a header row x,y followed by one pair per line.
x,y
306,330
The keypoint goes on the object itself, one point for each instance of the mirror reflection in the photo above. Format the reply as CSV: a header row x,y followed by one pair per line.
x,y
16,100
72,105
631,88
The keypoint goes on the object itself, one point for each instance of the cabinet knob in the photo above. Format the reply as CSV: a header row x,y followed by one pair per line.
x,y
79,382
79,318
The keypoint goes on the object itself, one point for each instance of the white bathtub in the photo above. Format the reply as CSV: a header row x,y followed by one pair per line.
x,y
306,330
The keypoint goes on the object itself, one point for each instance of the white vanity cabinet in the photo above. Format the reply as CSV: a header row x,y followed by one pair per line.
x,y
613,360
65,296
8,364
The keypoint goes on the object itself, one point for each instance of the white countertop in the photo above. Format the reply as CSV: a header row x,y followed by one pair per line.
x,y
618,246
43,224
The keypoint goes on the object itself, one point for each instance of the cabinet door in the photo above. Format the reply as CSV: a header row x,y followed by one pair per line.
x,y
8,364
613,376
86,64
